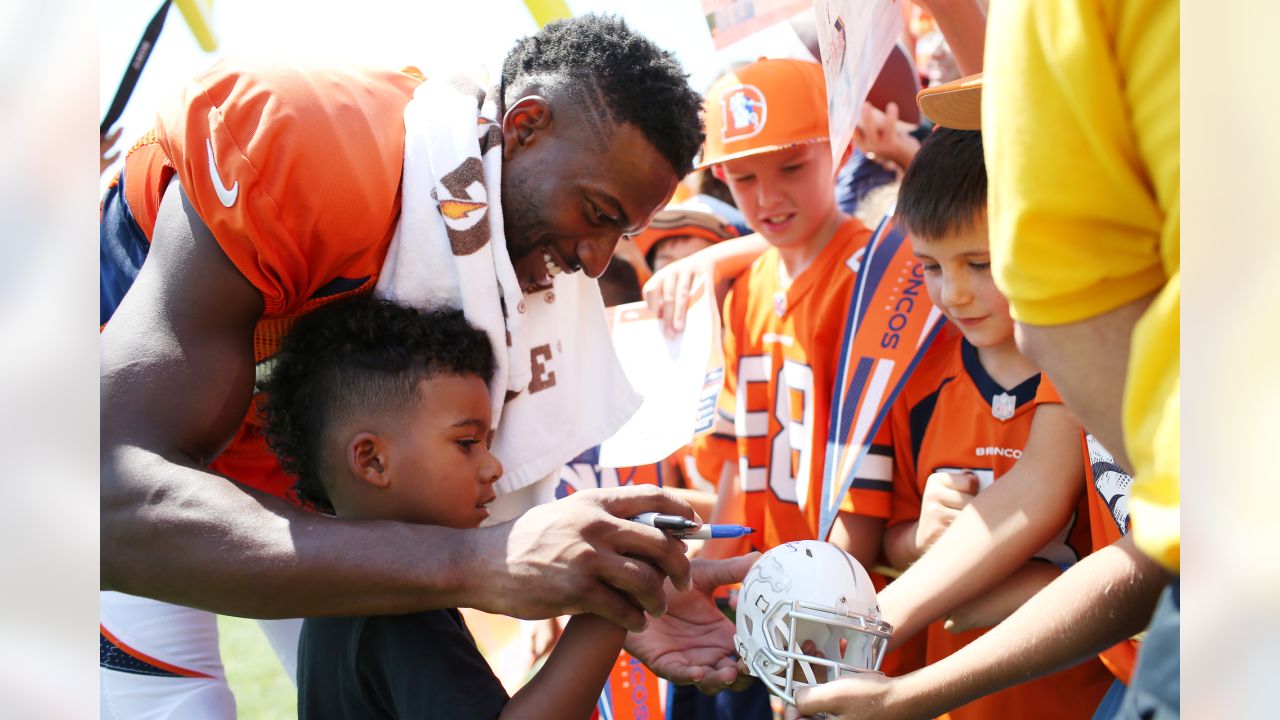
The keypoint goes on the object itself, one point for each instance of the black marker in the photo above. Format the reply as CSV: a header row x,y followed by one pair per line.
x,y
686,529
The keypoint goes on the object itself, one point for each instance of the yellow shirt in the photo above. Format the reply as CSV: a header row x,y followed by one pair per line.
x,y
1080,114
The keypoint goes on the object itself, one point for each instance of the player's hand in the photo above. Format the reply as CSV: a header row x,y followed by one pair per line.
x,y
667,292
865,695
581,555
693,642
945,495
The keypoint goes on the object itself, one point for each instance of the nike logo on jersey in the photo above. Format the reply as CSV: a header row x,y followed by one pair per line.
x,y
226,195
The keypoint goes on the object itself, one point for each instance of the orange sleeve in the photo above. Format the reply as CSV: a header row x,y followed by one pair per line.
x,y
710,453
1046,392
296,172
146,173
906,490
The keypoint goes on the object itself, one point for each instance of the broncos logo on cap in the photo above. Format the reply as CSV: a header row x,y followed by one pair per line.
x,y
745,112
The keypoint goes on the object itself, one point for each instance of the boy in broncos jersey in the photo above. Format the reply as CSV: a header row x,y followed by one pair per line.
x,y
382,413
768,140
973,409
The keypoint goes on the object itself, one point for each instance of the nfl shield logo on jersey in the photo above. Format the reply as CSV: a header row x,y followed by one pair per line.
x,y
1003,405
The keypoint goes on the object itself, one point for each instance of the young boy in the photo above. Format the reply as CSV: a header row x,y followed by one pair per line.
x,y
767,139
382,413
965,419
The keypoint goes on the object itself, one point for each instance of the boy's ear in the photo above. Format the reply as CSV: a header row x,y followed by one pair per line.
x,y
717,171
367,459
522,122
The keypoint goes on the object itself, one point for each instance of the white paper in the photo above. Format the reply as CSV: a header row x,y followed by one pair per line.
x,y
855,37
679,380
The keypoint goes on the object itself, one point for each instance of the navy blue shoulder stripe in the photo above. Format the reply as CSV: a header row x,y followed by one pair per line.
x,y
111,657
122,249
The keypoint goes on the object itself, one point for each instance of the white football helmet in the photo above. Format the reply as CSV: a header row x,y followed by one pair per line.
x,y
801,591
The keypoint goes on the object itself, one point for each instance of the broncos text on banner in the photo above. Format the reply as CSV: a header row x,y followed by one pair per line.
x,y
890,325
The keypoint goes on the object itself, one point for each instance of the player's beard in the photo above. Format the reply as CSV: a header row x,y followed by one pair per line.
x,y
520,220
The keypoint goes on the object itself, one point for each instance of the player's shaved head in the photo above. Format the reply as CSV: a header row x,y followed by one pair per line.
x,y
615,75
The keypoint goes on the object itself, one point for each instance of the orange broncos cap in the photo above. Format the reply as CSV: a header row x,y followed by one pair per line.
x,y
768,105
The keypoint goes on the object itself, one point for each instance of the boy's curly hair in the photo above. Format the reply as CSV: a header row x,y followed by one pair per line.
x,y
614,71
357,358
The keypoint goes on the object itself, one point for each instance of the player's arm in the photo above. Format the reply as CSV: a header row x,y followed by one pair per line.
x,y
176,380
997,532
667,292
569,684
1103,599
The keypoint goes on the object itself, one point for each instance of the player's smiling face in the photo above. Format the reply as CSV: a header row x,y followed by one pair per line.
x,y
572,185
957,273
785,195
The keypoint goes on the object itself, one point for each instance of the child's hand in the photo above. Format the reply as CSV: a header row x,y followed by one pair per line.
x,y
543,635
884,139
945,495
667,292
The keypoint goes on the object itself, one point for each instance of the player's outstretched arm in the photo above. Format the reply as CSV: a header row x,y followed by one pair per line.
x,y
176,381
997,531
1101,600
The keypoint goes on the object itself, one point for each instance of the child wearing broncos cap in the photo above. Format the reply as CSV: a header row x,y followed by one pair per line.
x,y
768,140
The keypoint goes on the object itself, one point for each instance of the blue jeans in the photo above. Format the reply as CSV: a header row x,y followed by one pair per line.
x,y
1155,689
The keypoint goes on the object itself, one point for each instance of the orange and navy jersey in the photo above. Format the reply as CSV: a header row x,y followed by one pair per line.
x,y
953,416
1107,486
297,175
584,472
781,349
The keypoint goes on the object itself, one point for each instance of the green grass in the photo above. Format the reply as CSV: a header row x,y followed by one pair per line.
x,y
262,690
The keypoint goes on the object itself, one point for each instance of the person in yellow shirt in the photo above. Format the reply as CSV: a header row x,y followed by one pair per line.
x,y
1081,115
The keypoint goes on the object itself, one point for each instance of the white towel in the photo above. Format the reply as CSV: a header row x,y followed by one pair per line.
x,y
449,249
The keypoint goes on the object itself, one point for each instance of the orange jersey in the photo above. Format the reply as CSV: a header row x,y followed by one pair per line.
x,y
703,461
297,175
1107,487
948,417
781,359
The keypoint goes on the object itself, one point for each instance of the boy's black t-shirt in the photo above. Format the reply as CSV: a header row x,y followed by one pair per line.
x,y
421,665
